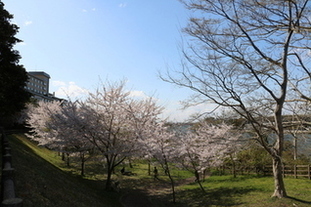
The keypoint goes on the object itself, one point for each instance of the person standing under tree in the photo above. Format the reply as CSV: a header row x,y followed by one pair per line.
x,y
155,173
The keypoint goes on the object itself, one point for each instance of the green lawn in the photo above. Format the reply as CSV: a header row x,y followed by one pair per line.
x,y
43,179
227,191
245,191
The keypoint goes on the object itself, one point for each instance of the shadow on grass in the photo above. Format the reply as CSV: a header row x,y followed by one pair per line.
x,y
40,183
232,179
219,197
299,200
196,198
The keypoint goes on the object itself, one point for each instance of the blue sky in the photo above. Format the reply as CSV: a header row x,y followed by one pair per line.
x,y
82,42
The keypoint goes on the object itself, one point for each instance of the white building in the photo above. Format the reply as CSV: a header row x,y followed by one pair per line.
x,y
38,85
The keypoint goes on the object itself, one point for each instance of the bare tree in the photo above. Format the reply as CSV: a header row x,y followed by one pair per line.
x,y
243,54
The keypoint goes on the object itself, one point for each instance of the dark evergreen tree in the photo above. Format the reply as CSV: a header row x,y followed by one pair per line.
x,y
13,77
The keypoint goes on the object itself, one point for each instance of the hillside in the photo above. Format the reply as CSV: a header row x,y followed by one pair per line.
x,y
40,183
42,179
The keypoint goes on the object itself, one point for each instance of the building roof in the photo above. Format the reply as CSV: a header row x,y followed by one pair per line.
x,y
39,73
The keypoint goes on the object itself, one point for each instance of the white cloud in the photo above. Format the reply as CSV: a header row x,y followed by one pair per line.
x,y
87,10
174,111
26,23
71,90
122,5
58,83
140,94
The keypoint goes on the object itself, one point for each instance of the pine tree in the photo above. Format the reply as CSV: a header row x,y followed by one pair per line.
x,y
13,77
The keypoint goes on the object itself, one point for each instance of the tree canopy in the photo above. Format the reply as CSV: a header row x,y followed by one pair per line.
x,y
13,77
109,120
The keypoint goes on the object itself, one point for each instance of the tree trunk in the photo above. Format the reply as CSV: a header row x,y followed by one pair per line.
x,y
82,168
130,162
63,156
172,185
279,187
295,147
167,169
202,188
82,158
233,166
108,181
203,176
68,160
277,150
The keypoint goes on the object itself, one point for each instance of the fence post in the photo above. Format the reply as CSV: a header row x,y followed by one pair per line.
x,y
309,173
295,171
8,197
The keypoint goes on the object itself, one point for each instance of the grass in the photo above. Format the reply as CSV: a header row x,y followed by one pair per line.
x,y
43,179
246,191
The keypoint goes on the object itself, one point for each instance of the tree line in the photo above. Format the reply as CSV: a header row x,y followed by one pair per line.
x,y
117,126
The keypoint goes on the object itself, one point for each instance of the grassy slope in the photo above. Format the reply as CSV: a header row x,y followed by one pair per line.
x,y
41,183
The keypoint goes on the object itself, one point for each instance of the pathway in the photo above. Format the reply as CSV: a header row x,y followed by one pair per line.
x,y
141,198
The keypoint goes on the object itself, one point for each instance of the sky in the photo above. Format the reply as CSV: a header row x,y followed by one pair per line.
x,y
83,43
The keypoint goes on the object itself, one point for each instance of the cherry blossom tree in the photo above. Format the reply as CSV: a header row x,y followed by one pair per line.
x,y
42,126
110,121
56,125
205,146
73,140
160,145
114,123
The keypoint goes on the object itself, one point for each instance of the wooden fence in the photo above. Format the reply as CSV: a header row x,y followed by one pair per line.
x,y
8,196
292,171
288,170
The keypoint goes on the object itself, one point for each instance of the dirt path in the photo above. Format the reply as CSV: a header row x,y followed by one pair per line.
x,y
142,197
